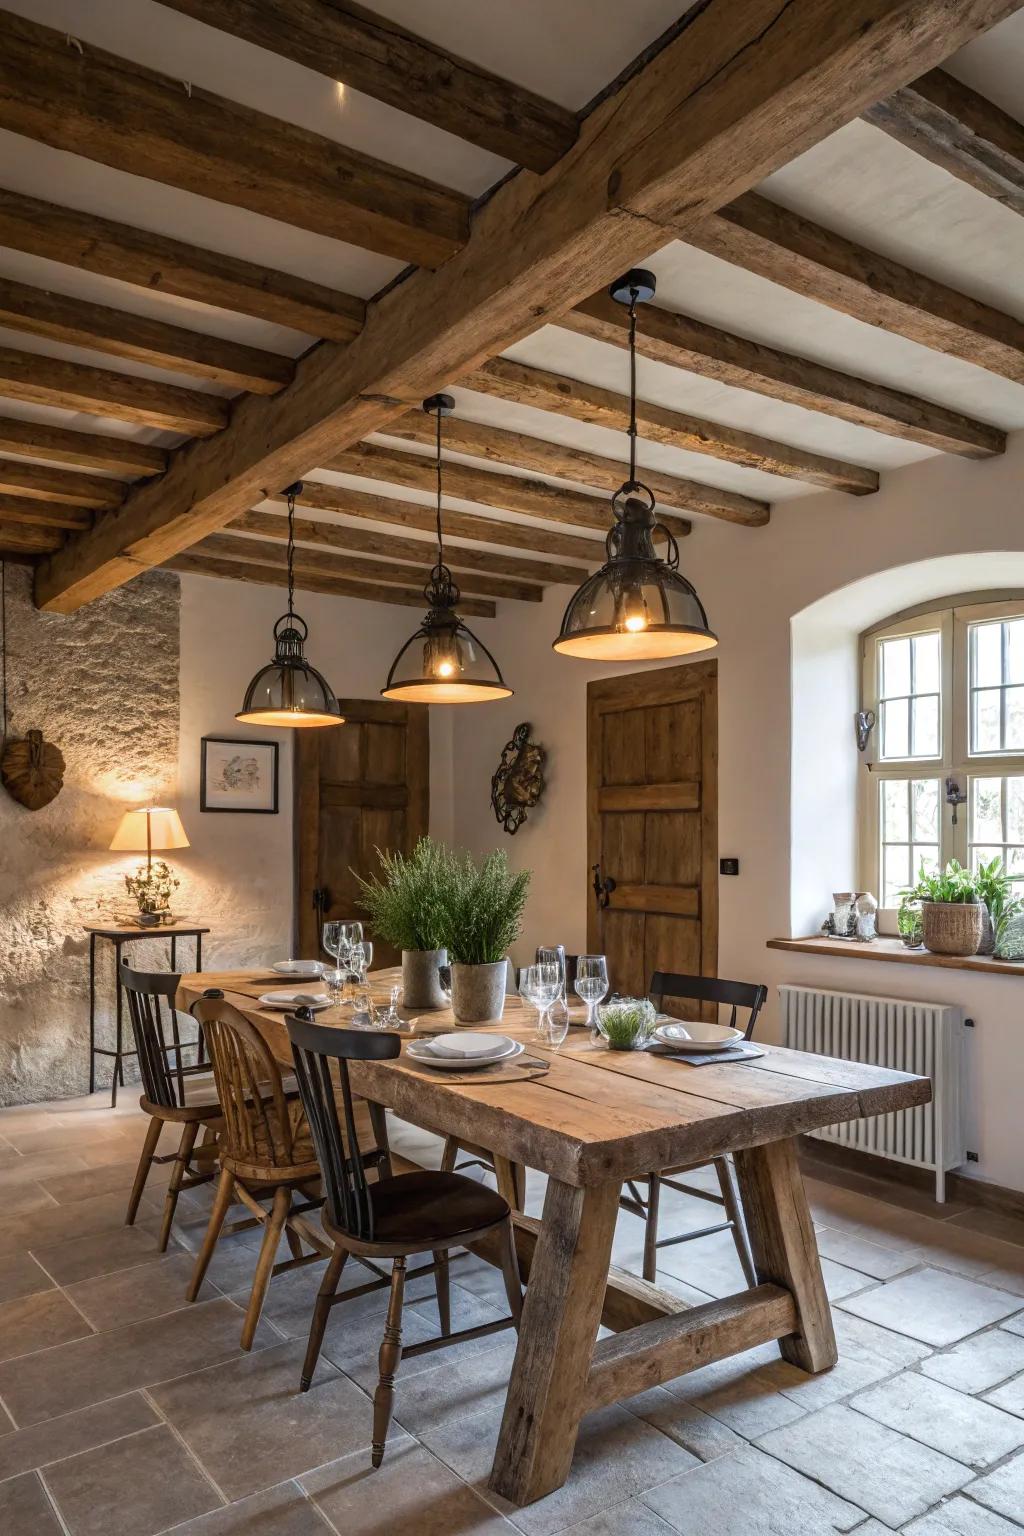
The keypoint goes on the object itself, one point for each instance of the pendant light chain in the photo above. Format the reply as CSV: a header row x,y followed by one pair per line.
x,y
440,539
634,295
291,493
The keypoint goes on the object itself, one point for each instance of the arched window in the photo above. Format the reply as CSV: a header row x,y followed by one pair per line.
x,y
946,687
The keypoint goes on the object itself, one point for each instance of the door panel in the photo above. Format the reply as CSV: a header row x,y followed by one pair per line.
x,y
358,787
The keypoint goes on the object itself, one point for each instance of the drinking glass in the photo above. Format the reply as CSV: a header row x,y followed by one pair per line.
x,y
540,986
389,1017
330,938
591,984
361,958
553,954
557,1023
334,980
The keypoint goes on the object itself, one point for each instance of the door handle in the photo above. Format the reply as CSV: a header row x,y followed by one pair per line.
x,y
321,898
603,887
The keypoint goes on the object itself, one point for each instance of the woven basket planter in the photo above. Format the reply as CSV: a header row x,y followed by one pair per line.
x,y
952,927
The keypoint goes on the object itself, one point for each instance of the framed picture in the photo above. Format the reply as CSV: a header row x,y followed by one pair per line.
x,y
238,775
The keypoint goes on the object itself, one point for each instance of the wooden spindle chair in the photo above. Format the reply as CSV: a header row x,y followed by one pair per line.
x,y
736,996
394,1218
265,1151
173,1093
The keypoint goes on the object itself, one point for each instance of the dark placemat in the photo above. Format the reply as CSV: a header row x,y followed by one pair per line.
x,y
522,1070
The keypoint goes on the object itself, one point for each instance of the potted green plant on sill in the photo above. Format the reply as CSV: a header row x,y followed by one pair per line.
x,y
408,904
952,911
485,919
908,921
995,887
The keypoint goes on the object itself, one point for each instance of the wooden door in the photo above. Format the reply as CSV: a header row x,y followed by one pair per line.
x,y
358,786
652,823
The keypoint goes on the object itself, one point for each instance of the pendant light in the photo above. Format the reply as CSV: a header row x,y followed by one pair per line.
x,y
288,691
444,662
638,606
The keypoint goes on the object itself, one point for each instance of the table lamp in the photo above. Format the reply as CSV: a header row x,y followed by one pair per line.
x,y
152,829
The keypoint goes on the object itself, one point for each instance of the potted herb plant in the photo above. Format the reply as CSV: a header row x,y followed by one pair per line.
x,y
626,1023
995,887
952,911
485,919
408,905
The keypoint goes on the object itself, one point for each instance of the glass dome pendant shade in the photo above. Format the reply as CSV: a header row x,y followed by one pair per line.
x,y
444,662
638,606
288,691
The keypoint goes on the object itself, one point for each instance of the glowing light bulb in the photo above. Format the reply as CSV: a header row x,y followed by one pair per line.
x,y
445,669
635,622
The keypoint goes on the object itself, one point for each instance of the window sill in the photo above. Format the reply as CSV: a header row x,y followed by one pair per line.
x,y
893,951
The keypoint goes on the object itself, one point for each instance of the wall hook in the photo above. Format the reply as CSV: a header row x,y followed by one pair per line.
x,y
865,725
954,795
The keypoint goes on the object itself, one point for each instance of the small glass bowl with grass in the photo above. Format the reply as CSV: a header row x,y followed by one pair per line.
x,y
626,1023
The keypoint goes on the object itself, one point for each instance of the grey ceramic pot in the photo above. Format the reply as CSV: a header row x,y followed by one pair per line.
x,y
420,985
478,992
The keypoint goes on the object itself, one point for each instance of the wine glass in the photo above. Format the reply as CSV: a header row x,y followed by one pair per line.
x,y
330,938
591,984
553,954
350,934
361,958
540,986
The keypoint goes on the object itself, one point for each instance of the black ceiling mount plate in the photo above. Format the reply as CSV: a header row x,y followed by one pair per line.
x,y
637,280
439,405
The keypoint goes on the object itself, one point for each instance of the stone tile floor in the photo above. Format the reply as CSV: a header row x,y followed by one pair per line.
x,y
123,1409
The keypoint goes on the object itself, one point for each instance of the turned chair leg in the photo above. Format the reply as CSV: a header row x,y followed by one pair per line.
x,y
450,1153
444,1291
188,1140
510,1273
145,1163
273,1226
324,1296
221,1204
734,1210
651,1228
390,1356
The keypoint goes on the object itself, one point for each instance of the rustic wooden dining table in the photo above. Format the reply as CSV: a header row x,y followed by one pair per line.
x,y
592,1120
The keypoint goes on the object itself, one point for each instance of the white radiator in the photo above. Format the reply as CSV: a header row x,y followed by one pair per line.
x,y
926,1038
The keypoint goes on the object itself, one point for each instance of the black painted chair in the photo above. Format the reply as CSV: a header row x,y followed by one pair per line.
x,y
394,1217
741,998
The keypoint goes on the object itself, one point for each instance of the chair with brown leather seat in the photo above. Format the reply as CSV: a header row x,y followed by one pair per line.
x,y
174,1093
395,1217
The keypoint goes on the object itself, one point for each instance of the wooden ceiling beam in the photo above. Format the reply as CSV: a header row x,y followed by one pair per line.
x,y
162,265
683,342
378,541
469,482
84,450
517,449
24,539
764,238
521,384
29,511
377,57
78,323
60,485
307,581
944,121
733,95
43,380
90,102
235,546
368,506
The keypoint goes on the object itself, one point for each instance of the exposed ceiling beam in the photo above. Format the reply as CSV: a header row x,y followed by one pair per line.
x,y
20,539
376,56
380,541
50,381
547,458
306,581
30,511
370,507
85,450
764,238
78,323
62,485
523,385
470,482
93,103
683,342
350,567
162,265
952,126
736,93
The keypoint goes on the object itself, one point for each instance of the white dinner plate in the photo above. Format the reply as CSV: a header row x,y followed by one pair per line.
x,y
300,970
294,997
470,1043
421,1051
697,1037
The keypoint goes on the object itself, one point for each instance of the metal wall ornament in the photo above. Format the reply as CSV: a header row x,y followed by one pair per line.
x,y
518,782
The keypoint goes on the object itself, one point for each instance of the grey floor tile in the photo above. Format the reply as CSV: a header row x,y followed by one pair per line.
x,y
933,1306
131,1295
476,1384
25,1449
66,1223
37,1322
411,1491
633,1518
68,1187
101,1253
251,1427
963,1427
979,1363
751,1406
1009,1396
89,1370
841,1280
860,1254
689,1426
1003,1489
1014,1325
887,1474
25,1509
149,1479
867,1354
281,1511
20,1275
750,1494
27,1198
960,1517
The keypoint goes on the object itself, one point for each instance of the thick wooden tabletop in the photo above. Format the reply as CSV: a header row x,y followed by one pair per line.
x,y
598,1115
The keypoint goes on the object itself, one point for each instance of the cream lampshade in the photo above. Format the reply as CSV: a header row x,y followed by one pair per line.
x,y
149,831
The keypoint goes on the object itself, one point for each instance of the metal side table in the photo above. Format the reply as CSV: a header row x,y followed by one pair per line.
x,y
119,937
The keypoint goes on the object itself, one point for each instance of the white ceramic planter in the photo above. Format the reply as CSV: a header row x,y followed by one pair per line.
x,y
478,992
420,985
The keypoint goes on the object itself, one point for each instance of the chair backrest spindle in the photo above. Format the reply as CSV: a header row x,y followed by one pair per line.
x,y
149,993
257,1125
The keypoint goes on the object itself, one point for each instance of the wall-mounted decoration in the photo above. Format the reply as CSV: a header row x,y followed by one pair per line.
x,y
518,782
32,771
865,725
238,775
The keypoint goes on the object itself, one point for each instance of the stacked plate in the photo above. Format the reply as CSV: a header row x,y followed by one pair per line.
x,y
298,970
294,997
696,1038
465,1049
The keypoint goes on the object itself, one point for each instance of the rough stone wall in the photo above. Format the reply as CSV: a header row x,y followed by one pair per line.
x,y
102,684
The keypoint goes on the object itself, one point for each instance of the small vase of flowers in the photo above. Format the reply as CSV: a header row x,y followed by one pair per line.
x,y
152,888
